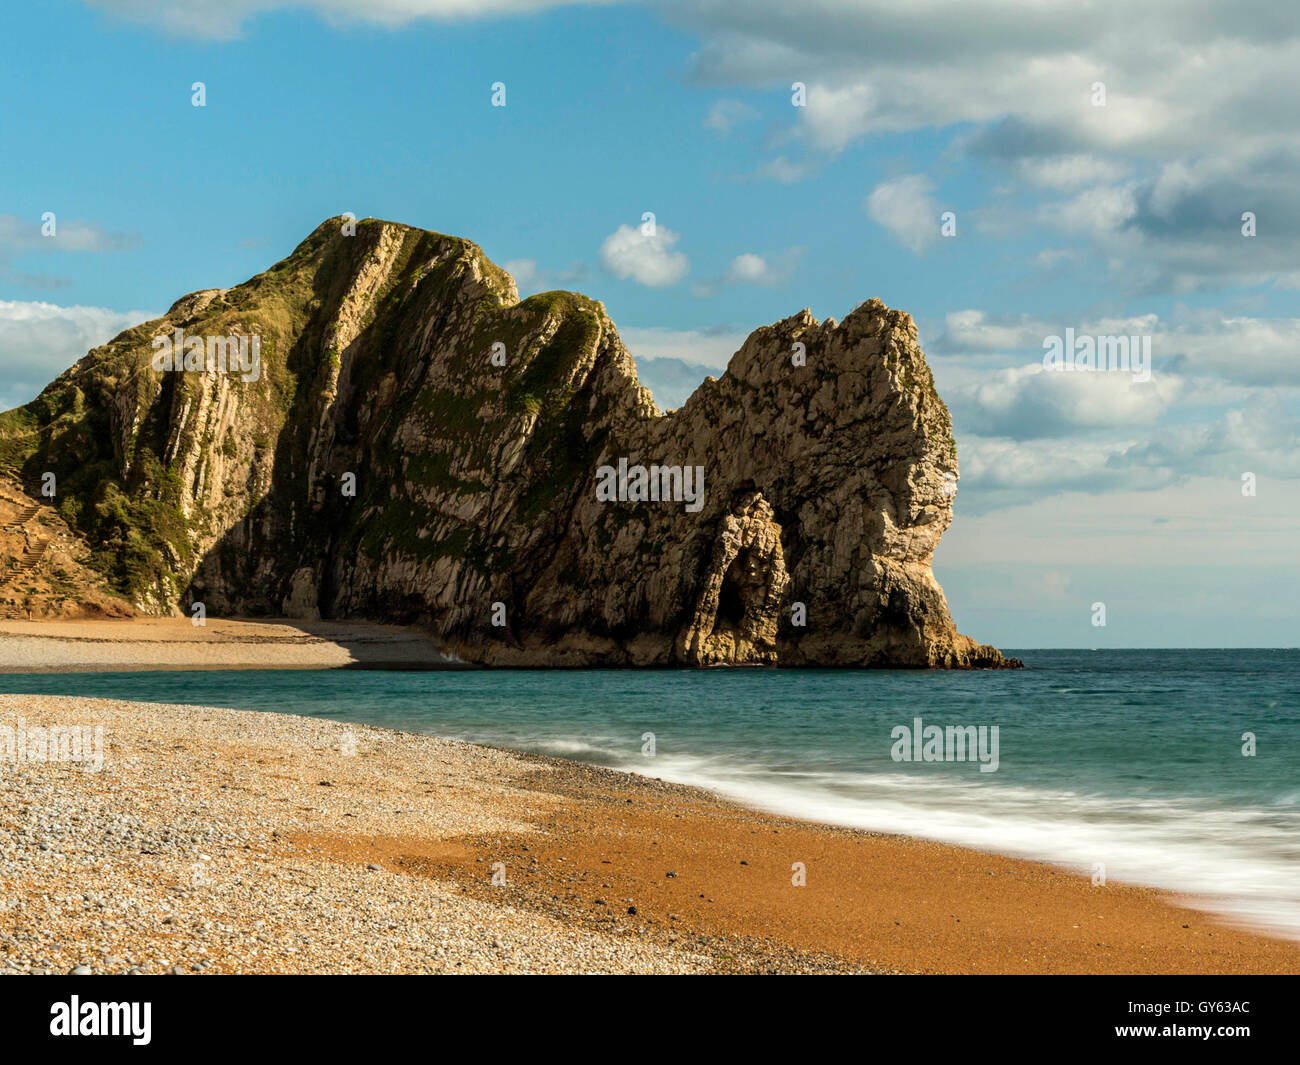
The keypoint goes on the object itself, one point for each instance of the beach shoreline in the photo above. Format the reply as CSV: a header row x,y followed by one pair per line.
x,y
216,840
149,643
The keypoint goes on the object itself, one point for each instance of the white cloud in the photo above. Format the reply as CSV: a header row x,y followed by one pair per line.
x,y
1196,128
1028,434
1049,258
1031,402
893,65
20,236
1071,172
224,19
1202,520
531,278
751,269
1019,470
521,269
648,259
1207,343
1223,398
38,341
784,170
971,331
906,208
1253,351
1096,211
833,117
711,349
524,271
24,234
725,115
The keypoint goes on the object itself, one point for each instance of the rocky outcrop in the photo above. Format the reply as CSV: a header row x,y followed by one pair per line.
x,y
737,617
421,446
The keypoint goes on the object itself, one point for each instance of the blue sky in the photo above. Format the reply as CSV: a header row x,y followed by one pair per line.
x,y
1117,219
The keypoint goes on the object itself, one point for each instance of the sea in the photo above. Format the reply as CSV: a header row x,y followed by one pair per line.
x,y
1178,769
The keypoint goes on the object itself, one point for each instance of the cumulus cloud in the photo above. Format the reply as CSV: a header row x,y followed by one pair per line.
x,y
1223,398
973,331
673,362
671,381
749,268
708,348
1099,211
892,65
835,116
1070,172
1262,437
1253,351
646,258
906,208
1018,471
1192,132
1030,402
1206,343
38,341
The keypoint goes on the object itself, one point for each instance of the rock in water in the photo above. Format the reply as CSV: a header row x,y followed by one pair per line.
x,y
405,440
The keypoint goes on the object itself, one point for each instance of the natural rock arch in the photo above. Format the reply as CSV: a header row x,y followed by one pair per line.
x,y
737,613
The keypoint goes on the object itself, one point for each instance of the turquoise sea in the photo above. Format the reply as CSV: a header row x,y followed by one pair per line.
x,y
1128,758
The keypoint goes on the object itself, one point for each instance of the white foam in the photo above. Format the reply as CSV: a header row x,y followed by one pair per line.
x,y
1238,863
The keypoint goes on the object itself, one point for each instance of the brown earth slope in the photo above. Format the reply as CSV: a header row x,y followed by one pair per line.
x,y
43,570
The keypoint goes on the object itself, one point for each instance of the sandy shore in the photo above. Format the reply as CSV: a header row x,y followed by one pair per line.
x,y
225,841
177,643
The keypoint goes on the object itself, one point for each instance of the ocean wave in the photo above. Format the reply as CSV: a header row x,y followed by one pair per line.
x,y
1237,862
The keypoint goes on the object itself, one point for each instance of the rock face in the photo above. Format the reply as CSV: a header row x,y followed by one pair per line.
x,y
420,446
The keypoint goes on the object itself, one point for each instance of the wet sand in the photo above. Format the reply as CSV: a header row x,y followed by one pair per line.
x,y
883,903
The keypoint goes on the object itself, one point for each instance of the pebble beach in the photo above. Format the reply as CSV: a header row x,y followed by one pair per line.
x,y
224,841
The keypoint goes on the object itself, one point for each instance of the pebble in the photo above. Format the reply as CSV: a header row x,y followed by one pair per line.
x,y
183,860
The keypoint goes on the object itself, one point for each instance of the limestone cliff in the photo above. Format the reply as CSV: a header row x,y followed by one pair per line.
x,y
419,445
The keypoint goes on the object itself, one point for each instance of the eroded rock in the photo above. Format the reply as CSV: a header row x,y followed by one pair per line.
x,y
422,447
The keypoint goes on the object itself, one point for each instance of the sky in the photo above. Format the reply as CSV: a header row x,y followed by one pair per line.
x,y
1003,171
